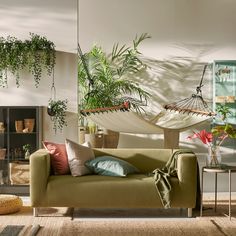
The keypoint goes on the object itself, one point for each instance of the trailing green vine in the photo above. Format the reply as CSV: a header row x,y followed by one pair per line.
x,y
36,55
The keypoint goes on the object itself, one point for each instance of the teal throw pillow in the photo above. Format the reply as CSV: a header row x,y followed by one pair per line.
x,y
111,166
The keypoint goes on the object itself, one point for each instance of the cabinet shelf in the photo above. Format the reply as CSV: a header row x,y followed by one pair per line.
x,y
18,133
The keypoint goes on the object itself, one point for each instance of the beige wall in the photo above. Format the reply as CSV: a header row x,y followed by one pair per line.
x,y
185,35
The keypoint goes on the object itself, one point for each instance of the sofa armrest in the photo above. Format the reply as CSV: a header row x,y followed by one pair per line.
x,y
39,173
187,168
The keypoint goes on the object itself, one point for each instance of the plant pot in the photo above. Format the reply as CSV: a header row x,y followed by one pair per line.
x,y
2,153
111,139
96,140
29,123
19,126
50,111
2,129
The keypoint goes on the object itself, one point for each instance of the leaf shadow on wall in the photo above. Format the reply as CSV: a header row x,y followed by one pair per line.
x,y
175,78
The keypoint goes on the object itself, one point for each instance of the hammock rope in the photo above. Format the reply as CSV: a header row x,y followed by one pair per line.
x,y
193,105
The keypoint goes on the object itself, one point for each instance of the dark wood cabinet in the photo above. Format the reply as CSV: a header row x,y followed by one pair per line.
x,y
19,126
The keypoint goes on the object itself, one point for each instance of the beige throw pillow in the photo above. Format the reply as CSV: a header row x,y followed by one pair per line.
x,y
77,156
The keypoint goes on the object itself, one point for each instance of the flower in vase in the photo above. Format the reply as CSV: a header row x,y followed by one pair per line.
x,y
203,135
214,139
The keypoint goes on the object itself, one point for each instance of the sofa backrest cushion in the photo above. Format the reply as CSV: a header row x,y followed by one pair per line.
x,y
111,166
146,160
58,157
77,156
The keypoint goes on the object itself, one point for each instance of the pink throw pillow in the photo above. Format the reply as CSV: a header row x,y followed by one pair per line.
x,y
59,159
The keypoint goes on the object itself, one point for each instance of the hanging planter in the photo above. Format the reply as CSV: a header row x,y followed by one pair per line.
x,y
56,109
36,55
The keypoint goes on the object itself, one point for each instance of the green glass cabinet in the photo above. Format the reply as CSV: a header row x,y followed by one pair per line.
x,y
224,88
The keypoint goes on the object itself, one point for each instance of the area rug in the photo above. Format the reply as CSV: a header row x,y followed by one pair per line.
x,y
19,230
119,213
193,227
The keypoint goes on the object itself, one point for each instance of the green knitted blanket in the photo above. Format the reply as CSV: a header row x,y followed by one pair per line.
x,y
162,176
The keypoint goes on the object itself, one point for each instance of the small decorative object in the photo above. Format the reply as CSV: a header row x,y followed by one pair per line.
x,y
26,148
26,130
2,153
29,124
82,132
214,156
2,128
1,177
19,126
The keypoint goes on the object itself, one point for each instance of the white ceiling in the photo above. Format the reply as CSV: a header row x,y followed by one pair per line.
x,y
54,19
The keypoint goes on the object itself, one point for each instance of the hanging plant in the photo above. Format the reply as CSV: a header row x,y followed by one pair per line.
x,y
3,63
36,54
41,56
57,110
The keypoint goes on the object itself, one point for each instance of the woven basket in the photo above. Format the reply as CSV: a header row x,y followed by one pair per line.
x,y
19,173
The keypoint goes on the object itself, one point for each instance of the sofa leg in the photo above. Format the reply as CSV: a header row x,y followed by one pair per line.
x,y
190,212
35,211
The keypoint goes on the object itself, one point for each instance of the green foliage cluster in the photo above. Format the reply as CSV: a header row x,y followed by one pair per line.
x,y
26,147
35,54
58,113
226,130
110,84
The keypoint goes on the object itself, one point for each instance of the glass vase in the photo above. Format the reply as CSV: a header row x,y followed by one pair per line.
x,y
214,156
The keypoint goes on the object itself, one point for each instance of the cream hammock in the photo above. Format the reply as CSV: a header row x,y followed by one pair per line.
x,y
126,121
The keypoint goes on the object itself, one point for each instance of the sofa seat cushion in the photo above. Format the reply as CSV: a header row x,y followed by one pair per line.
x,y
95,191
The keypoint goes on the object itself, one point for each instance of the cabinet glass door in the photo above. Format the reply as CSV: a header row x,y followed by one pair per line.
x,y
22,131
3,146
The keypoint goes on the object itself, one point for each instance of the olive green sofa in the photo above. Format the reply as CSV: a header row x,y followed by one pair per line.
x,y
95,191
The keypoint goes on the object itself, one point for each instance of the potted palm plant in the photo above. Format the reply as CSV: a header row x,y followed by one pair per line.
x,y
104,79
108,82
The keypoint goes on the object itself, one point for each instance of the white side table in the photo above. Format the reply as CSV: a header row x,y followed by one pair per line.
x,y
216,170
